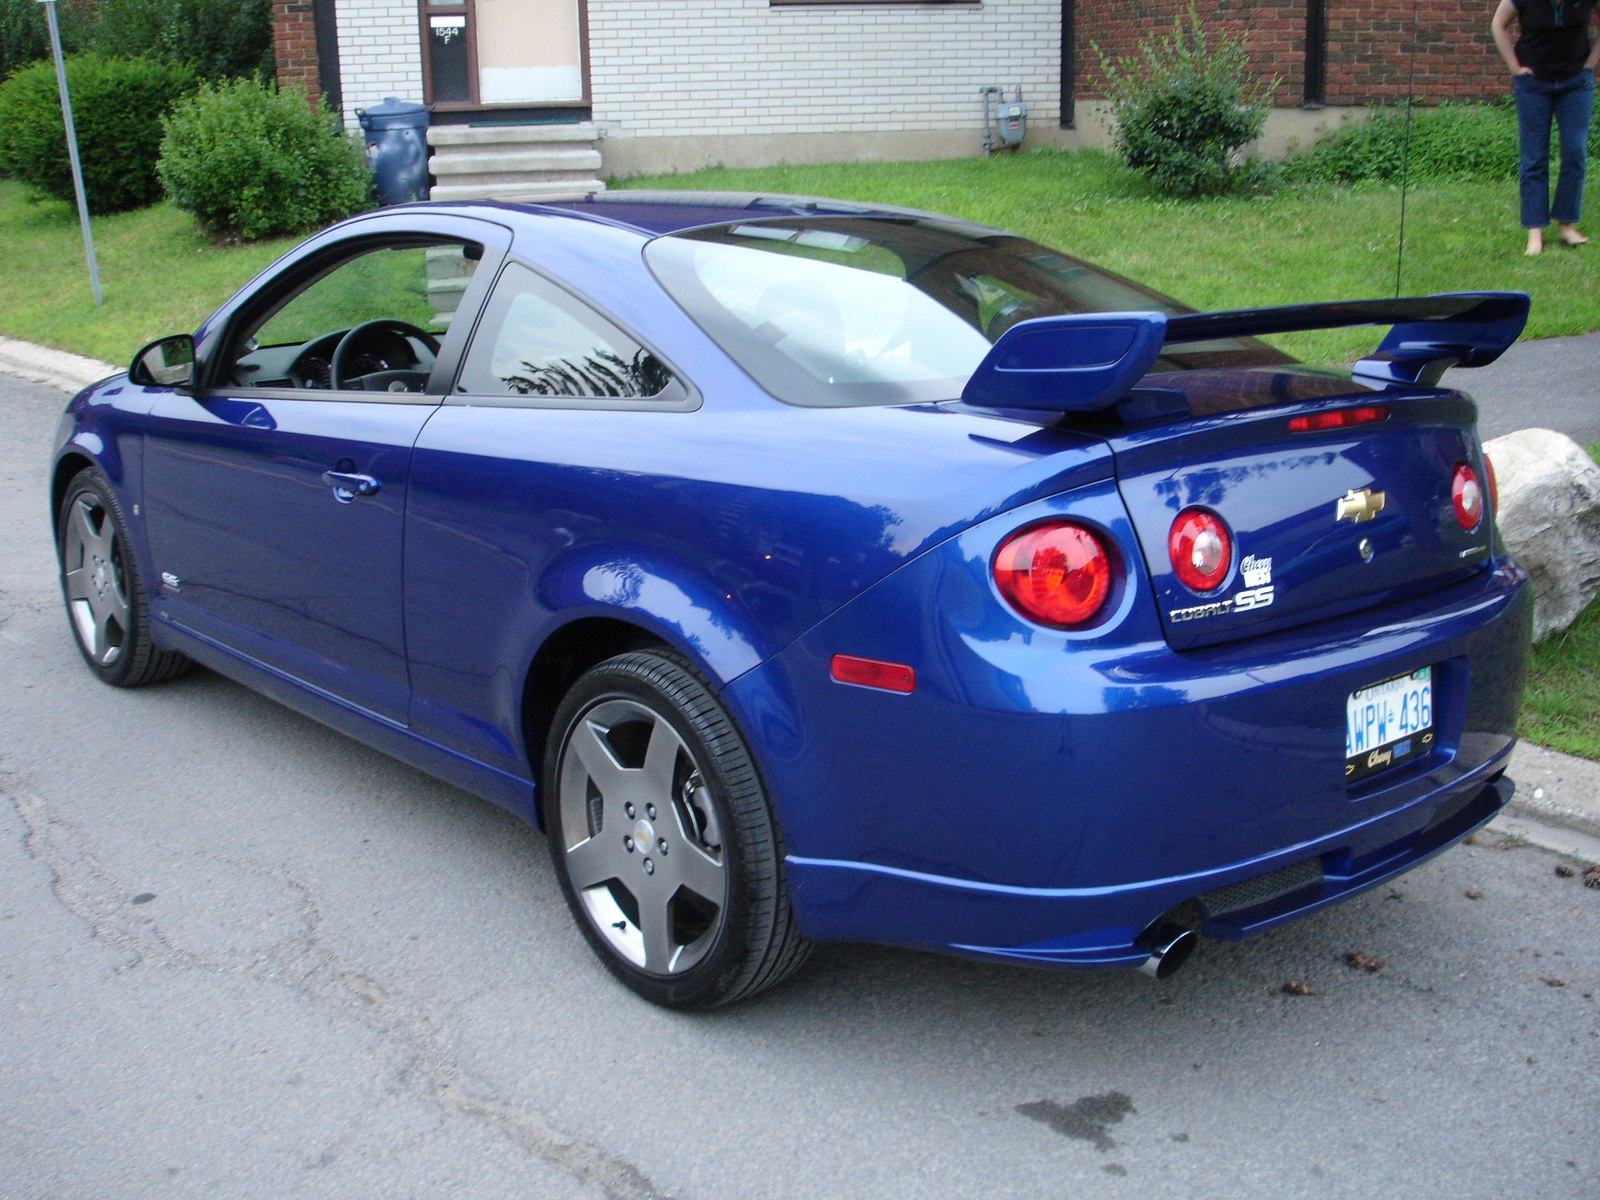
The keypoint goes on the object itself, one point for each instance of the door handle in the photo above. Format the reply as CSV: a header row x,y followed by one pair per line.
x,y
347,485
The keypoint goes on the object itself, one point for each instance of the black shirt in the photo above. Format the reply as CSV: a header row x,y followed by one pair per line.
x,y
1554,37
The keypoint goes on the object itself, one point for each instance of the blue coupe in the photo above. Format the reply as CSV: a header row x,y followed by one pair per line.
x,y
813,571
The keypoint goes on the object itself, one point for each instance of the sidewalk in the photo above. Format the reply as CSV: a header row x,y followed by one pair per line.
x,y
54,368
1557,803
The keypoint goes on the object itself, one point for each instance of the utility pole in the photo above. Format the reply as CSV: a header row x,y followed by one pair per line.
x,y
72,147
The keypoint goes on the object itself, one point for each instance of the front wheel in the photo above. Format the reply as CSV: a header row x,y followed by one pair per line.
x,y
105,597
662,836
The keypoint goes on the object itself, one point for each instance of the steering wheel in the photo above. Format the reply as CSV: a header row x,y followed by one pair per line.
x,y
379,381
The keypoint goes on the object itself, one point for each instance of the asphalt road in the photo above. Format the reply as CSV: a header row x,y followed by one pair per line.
x,y
243,956
1553,383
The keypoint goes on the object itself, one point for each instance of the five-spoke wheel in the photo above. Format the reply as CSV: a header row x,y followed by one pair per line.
x,y
100,583
663,838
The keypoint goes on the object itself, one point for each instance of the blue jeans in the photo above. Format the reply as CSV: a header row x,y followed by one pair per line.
x,y
1567,102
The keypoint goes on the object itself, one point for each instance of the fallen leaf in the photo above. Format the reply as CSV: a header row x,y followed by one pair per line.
x,y
1474,894
1565,871
1363,962
1548,982
1295,988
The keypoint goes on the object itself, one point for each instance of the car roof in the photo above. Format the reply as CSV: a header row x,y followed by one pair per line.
x,y
657,212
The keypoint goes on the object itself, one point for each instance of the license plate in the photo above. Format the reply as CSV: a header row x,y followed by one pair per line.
x,y
1388,723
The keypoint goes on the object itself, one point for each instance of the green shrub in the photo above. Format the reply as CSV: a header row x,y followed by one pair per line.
x,y
219,39
25,38
251,162
117,106
1185,107
1452,141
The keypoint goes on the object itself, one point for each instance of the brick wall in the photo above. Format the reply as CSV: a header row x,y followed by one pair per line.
x,y
698,67
1368,48
294,42
380,53
1370,44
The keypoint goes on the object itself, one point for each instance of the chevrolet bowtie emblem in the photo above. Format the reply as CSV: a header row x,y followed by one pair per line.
x,y
1358,506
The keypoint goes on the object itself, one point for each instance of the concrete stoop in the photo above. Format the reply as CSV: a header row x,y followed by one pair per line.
x,y
514,162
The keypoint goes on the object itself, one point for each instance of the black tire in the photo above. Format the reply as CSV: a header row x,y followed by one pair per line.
x,y
653,925
106,601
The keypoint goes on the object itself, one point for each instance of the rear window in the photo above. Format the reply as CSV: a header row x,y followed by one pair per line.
x,y
843,311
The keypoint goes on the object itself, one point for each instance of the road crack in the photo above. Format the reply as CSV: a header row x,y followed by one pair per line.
x,y
307,965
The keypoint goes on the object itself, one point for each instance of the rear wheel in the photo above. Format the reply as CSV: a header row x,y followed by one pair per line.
x,y
105,597
663,838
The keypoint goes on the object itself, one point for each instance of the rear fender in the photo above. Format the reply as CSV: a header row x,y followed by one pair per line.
x,y
664,595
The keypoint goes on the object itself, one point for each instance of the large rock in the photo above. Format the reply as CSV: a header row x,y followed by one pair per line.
x,y
1549,516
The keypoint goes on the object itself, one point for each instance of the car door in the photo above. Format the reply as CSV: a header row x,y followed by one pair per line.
x,y
506,478
276,490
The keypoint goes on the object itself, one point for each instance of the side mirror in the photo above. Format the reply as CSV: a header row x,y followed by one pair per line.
x,y
168,362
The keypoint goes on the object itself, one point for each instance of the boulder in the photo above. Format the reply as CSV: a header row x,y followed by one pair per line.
x,y
1549,518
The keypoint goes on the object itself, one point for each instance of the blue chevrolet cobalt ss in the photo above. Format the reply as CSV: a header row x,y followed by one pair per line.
x,y
812,571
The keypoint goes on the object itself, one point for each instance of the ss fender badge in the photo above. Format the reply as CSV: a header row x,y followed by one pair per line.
x,y
171,582
1245,601
1358,506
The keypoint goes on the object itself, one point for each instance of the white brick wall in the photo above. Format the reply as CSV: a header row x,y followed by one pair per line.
x,y
695,67
380,53
704,67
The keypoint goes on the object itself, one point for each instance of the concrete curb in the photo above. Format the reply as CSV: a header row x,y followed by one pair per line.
x,y
53,368
1556,789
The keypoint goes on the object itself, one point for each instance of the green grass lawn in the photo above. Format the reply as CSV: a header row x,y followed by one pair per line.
x,y
159,276
1296,246
1318,244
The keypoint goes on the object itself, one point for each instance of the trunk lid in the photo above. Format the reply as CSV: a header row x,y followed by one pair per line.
x,y
1295,559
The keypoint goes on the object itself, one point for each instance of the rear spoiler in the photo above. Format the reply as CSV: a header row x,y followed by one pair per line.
x,y
1090,361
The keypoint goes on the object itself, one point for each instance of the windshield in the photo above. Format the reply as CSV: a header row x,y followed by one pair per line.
x,y
839,311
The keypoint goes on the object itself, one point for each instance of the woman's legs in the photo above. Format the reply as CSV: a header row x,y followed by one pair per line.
x,y
1572,107
1534,113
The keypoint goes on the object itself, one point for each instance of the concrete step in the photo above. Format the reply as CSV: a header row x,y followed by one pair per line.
x,y
496,135
511,189
495,178
518,159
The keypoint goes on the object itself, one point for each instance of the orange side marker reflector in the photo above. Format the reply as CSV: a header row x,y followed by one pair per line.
x,y
869,672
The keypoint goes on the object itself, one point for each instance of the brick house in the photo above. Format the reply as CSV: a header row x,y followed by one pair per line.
x,y
556,92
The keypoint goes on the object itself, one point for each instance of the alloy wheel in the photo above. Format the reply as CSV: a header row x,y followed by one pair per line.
x,y
96,580
640,835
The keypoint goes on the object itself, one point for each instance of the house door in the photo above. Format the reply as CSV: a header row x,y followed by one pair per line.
x,y
486,52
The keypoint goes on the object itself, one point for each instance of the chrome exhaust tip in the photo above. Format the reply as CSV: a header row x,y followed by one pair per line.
x,y
1170,947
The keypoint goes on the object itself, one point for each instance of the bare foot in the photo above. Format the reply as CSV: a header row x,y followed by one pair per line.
x,y
1535,242
1570,235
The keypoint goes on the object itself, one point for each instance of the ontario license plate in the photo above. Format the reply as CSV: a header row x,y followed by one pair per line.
x,y
1388,723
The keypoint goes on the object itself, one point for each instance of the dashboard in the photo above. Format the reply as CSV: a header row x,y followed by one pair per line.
x,y
385,358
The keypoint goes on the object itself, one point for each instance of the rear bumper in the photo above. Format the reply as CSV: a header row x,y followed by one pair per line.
x,y
1046,796
926,908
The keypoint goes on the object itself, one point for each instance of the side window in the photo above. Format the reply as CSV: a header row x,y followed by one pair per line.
x,y
537,340
405,296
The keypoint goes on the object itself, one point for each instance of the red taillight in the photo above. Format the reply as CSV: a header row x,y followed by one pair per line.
x,y
1201,549
1057,574
1494,487
1339,418
869,672
1466,494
